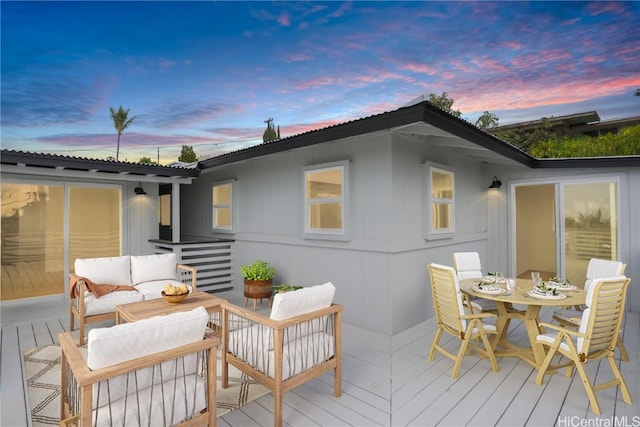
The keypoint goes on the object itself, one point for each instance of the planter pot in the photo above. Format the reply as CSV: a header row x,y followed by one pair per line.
x,y
258,289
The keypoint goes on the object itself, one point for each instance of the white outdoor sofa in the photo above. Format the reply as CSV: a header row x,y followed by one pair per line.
x,y
159,371
148,274
299,341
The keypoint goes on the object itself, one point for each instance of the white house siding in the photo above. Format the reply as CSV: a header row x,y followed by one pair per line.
x,y
380,272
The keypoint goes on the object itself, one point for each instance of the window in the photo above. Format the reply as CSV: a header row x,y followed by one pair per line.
x,y
222,211
440,202
325,197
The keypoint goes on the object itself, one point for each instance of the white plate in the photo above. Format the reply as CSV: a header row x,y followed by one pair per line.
x,y
560,286
490,292
552,297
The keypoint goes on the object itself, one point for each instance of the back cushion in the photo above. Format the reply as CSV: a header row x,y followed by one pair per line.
x,y
145,268
127,341
305,300
468,265
105,271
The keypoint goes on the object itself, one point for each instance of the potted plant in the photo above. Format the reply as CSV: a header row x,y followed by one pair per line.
x,y
258,280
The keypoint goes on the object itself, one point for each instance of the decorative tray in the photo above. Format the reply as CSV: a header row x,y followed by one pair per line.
x,y
546,296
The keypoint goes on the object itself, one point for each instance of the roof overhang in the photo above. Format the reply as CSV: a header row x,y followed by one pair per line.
x,y
424,119
435,126
38,164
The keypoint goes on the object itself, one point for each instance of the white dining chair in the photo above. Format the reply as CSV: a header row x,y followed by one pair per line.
x,y
451,318
468,266
594,340
597,269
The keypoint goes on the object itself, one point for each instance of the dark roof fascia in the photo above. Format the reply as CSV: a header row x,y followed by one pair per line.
x,y
421,112
11,157
589,162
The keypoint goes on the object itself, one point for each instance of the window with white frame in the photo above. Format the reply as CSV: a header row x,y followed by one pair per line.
x,y
222,206
325,198
440,202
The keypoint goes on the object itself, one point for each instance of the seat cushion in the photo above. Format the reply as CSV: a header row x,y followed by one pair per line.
x,y
148,268
482,304
188,400
297,355
305,300
569,316
105,271
107,303
550,338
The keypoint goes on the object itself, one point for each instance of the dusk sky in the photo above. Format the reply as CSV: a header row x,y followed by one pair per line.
x,y
208,74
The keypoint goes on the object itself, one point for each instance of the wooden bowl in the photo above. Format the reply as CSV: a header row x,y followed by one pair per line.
x,y
174,299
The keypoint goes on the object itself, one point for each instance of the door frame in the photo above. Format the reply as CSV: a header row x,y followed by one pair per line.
x,y
560,182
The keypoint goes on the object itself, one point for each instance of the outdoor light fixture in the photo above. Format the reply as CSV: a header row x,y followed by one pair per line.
x,y
139,190
496,183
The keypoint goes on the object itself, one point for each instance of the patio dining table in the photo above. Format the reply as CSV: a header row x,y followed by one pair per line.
x,y
535,353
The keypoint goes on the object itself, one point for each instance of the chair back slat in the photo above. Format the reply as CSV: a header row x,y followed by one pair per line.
x,y
447,299
602,319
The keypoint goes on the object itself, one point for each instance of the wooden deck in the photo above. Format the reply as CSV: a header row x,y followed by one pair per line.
x,y
386,381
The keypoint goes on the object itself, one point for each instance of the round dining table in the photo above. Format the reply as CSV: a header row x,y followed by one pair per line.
x,y
521,295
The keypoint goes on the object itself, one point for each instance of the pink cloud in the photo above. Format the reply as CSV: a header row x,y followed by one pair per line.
x,y
299,57
164,63
524,94
284,19
420,68
320,81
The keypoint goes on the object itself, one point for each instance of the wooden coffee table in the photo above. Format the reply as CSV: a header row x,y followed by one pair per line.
x,y
158,307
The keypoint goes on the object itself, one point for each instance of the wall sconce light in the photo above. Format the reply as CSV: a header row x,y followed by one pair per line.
x,y
496,183
139,190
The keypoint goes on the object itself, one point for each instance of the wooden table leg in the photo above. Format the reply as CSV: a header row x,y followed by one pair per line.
x,y
531,323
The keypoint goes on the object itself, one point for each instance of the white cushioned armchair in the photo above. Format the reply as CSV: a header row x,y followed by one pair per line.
x,y
159,371
299,341
146,273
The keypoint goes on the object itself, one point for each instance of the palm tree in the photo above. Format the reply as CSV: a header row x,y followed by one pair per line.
x,y
121,121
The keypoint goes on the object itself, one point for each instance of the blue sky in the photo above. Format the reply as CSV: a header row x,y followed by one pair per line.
x,y
208,74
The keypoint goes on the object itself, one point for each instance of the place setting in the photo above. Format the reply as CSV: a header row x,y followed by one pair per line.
x,y
490,285
550,289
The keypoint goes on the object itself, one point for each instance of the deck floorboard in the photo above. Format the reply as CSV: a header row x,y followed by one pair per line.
x,y
386,381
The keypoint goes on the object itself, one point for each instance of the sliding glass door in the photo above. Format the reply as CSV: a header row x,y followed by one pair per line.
x,y
36,241
32,240
590,220
560,226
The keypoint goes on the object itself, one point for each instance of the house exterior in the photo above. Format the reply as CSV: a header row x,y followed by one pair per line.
x,y
369,203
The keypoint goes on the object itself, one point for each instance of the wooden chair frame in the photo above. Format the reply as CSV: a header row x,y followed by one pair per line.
x,y
447,302
280,333
186,275
77,380
575,322
599,340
